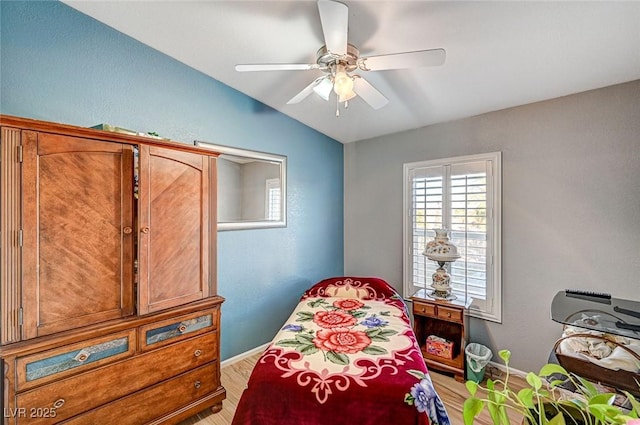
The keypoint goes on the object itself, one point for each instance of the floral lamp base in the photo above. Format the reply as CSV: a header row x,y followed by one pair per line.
x,y
441,283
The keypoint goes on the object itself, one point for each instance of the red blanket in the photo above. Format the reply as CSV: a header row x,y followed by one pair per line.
x,y
346,355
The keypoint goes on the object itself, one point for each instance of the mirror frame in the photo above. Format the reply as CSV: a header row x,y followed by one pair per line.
x,y
261,156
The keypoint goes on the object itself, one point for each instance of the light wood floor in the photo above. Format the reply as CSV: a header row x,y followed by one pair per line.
x,y
235,376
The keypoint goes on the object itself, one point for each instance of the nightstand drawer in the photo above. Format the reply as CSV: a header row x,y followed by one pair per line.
x,y
424,309
449,313
52,365
176,329
77,394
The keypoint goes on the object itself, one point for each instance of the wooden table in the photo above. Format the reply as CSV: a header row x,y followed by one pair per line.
x,y
445,319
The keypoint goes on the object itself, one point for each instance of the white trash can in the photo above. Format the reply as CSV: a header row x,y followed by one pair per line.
x,y
478,356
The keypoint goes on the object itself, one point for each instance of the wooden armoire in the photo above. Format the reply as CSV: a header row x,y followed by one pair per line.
x,y
109,307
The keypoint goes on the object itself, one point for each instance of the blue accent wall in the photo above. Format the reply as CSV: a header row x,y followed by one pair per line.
x,y
57,64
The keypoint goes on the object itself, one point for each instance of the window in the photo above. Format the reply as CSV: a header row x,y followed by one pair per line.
x,y
461,194
273,199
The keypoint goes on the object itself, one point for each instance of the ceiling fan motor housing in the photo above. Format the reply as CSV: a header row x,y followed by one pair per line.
x,y
328,61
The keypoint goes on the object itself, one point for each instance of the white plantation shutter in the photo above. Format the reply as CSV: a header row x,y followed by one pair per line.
x,y
462,195
274,199
427,200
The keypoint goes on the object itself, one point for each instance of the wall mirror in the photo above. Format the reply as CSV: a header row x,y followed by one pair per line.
x,y
252,188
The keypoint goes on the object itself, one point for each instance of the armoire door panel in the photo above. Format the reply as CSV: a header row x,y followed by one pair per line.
x,y
174,204
82,216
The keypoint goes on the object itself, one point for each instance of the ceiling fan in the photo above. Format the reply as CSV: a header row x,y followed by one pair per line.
x,y
340,61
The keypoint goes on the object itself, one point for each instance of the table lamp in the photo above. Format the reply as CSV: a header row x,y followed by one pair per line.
x,y
442,251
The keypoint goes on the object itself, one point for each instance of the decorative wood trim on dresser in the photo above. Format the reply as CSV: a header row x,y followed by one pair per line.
x,y
10,234
213,222
110,312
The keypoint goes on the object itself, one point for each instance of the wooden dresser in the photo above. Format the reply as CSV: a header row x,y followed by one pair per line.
x,y
108,296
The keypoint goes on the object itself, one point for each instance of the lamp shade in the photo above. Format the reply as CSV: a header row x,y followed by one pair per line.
x,y
441,248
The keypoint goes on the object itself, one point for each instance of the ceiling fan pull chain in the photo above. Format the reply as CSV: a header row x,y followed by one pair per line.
x,y
337,107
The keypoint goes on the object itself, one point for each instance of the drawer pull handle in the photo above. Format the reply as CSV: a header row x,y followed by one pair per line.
x,y
127,230
182,328
448,314
82,356
58,403
197,353
197,384
145,230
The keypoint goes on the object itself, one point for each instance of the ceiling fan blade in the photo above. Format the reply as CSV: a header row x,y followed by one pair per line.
x,y
334,17
306,91
368,93
277,67
417,59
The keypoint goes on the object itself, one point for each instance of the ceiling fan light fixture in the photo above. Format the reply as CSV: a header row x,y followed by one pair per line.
x,y
323,89
342,82
346,97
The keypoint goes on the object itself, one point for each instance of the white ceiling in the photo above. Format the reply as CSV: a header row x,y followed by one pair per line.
x,y
499,54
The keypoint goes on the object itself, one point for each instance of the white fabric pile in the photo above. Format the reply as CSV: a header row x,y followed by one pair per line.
x,y
603,352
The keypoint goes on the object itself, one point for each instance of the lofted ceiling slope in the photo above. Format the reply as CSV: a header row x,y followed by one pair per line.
x,y
499,54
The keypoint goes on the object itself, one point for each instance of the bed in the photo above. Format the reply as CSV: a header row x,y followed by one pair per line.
x,y
346,355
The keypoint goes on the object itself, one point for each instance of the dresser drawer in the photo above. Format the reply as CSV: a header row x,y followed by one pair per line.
x,y
169,331
424,309
154,402
72,359
448,313
83,392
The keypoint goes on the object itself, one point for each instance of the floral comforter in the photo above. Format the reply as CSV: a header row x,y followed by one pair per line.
x,y
346,355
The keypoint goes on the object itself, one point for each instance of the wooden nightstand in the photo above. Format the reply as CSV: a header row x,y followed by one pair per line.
x,y
446,319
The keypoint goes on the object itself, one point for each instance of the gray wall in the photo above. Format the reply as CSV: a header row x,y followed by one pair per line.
x,y
229,182
254,188
570,205
242,189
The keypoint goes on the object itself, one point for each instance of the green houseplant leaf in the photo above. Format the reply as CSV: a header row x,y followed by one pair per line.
x,y
634,403
472,387
470,409
525,396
